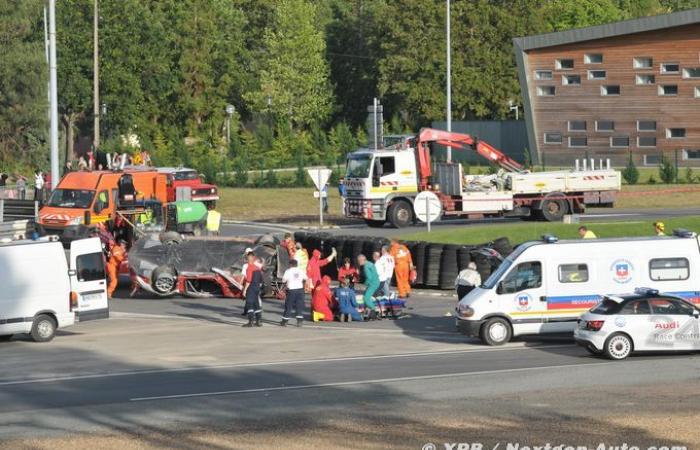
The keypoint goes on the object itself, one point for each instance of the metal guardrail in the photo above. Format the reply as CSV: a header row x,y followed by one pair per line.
x,y
18,229
13,209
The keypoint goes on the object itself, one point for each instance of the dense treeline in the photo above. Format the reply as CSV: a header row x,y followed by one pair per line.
x,y
300,73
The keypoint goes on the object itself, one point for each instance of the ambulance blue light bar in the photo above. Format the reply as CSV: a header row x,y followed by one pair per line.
x,y
646,291
549,239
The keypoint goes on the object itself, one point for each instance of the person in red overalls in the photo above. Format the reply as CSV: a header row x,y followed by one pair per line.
x,y
322,300
313,268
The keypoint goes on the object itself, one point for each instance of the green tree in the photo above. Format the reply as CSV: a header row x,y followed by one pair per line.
x,y
294,73
630,173
23,89
565,14
667,171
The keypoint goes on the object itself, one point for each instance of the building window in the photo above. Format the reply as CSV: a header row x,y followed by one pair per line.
x,y
553,137
645,79
691,155
670,68
646,125
675,133
545,91
697,91
668,90
604,125
646,141
543,74
643,62
577,125
593,58
564,64
619,141
571,80
578,141
596,74
610,90
652,160
691,72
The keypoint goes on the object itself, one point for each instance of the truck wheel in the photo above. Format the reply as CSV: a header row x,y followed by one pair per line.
x,y
374,223
400,214
170,238
43,328
496,331
554,209
618,346
164,279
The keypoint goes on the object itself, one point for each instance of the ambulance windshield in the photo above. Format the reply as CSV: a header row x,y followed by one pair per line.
x,y
496,276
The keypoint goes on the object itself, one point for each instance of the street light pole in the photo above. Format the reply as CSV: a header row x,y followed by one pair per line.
x,y
230,109
449,80
96,78
53,95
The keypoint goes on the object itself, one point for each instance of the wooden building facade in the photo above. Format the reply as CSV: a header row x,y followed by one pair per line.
x,y
609,91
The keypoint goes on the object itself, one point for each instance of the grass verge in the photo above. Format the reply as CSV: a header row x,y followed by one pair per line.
x,y
298,205
527,231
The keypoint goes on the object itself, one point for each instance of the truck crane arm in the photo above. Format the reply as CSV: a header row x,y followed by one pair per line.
x,y
459,141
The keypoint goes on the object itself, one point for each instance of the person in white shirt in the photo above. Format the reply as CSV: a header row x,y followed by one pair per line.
x,y
467,280
385,270
294,279
38,184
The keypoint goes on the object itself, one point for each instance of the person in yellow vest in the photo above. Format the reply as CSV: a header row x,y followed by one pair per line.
x,y
585,233
213,221
659,229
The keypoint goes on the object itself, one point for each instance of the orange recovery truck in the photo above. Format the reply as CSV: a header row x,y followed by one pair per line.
x,y
84,199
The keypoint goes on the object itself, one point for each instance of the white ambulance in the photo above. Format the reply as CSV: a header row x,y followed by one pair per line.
x,y
43,287
544,286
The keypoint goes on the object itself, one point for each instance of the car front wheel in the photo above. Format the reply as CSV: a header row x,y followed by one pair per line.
x,y
496,331
618,346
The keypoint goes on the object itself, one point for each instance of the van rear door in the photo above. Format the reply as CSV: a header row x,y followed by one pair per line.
x,y
87,277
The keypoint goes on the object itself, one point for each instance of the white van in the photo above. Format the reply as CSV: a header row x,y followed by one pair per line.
x,y
43,287
544,286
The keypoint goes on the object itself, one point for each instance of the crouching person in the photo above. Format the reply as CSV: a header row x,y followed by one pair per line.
x,y
322,302
294,279
347,301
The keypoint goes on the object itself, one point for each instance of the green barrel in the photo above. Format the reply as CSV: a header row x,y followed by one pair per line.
x,y
190,212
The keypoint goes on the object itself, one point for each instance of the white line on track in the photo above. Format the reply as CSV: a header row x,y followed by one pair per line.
x,y
267,364
362,382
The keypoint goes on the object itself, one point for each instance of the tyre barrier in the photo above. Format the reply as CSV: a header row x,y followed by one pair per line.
x,y
437,265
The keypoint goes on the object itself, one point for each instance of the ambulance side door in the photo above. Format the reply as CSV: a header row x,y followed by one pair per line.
x,y
571,291
87,278
520,294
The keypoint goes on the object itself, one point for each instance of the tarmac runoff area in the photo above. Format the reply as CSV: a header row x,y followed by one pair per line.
x,y
180,373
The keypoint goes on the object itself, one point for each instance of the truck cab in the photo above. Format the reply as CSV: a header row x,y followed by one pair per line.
x,y
182,178
87,198
381,183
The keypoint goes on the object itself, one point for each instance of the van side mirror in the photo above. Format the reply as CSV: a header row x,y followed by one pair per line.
x,y
87,219
499,288
696,313
99,206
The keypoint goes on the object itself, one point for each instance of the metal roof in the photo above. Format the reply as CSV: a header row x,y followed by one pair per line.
x,y
641,25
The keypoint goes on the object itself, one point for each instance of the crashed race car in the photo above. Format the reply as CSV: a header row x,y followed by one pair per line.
x,y
166,264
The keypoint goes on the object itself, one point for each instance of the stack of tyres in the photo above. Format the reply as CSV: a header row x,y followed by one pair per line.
x,y
502,245
448,267
464,256
431,272
418,255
